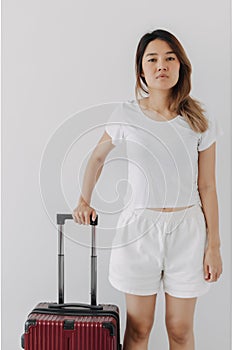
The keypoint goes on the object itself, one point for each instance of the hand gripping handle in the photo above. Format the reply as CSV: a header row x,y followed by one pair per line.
x,y
61,218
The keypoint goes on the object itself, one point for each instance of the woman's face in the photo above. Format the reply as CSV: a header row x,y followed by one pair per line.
x,y
159,59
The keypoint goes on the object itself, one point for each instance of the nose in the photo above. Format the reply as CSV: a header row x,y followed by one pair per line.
x,y
162,65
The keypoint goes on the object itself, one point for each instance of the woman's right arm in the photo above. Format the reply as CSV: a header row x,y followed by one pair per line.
x,y
82,212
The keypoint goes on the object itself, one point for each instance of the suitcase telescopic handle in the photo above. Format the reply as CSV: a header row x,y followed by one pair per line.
x,y
61,218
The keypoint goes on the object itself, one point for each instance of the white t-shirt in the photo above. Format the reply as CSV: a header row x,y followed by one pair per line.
x,y
162,156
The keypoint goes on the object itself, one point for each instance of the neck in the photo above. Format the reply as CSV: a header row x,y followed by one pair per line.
x,y
158,100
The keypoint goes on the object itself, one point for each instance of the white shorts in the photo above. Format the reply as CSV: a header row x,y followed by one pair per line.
x,y
154,246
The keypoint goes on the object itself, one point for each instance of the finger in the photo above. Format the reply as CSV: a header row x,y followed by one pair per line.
x,y
86,217
93,215
78,220
75,217
81,217
206,271
213,276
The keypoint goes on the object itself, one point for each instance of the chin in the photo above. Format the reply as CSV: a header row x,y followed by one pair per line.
x,y
162,87
166,86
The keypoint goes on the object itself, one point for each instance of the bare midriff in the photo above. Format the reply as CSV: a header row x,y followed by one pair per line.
x,y
170,209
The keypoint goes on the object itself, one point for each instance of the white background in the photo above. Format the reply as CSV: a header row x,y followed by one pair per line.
x,y
62,57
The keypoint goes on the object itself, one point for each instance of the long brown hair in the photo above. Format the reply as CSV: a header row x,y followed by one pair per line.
x,y
179,101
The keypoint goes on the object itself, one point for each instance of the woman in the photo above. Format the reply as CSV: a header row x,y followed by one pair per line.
x,y
171,228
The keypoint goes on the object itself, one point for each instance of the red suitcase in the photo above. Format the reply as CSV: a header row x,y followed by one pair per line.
x,y
60,326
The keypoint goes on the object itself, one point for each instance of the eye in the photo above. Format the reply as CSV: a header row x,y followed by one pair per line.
x,y
168,58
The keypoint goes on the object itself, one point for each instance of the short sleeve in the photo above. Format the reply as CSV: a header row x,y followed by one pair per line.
x,y
114,126
208,137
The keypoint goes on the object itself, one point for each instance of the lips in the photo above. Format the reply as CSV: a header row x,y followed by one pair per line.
x,y
162,76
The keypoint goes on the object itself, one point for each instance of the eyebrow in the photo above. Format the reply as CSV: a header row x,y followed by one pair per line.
x,y
154,53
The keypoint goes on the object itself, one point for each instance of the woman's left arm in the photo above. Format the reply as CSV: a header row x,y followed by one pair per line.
x,y
208,196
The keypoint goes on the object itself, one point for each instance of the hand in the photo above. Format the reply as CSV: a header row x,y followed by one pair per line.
x,y
212,264
82,213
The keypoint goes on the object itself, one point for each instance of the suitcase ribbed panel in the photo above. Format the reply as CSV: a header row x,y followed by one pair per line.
x,y
88,334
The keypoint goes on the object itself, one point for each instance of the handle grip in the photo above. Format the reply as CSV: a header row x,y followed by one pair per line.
x,y
78,305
